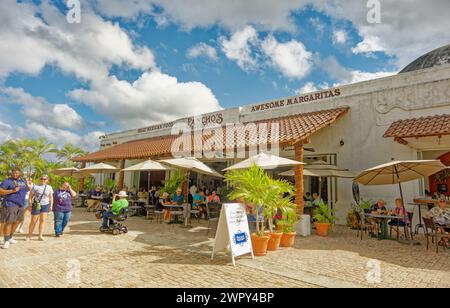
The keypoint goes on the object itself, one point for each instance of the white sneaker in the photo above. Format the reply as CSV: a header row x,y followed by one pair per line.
x,y
12,241
27,239
20,231
5,245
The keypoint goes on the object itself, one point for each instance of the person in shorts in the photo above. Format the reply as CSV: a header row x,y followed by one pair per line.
x,y
13,190
41,203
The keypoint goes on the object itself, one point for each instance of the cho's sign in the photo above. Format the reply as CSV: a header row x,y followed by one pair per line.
x,y
233,231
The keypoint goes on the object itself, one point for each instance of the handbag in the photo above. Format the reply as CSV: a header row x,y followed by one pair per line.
x,y
37,204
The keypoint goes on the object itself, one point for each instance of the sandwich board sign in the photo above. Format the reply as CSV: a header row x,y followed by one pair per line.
x,y
233,231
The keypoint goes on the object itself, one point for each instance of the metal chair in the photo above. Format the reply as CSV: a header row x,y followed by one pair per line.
x,y
432,231
407,227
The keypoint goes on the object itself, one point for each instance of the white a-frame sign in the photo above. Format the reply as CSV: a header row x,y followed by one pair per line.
x,y
233,231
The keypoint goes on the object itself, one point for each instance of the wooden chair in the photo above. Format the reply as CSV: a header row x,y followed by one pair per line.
x,y
432,231
363,225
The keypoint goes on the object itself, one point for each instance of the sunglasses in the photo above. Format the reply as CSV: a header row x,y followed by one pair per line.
x,y
44,179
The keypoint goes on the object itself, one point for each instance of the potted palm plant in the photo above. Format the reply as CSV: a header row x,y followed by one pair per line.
x,y
251,185
323,218
290,218
277,200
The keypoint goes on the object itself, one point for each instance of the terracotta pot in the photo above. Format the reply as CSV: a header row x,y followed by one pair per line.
x,y
322,229
259,244
288,239
274,241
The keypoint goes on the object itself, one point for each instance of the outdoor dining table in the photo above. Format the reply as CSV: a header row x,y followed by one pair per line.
x,y
174,207
136,205
384,222
420,225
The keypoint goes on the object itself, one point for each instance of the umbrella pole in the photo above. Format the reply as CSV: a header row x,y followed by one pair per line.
x,y
399,184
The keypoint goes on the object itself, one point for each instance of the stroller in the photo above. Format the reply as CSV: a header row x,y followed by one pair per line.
x,y
116,226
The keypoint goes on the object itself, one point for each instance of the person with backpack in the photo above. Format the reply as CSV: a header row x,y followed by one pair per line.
x,y
41,203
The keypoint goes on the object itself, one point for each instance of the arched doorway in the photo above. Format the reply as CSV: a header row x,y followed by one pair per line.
x,y
440,182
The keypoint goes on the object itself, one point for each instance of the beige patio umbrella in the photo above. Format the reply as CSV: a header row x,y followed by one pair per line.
x,y
264,161
398,172
149,165
66,172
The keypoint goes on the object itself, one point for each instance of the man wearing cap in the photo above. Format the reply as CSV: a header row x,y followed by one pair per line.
x,y
440,214
119,203
178,197
13,190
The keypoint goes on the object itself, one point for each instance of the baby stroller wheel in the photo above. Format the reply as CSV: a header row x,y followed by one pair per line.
x,y
125,230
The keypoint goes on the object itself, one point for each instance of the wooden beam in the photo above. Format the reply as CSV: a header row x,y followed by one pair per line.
x,y
121,174
81,182
299,189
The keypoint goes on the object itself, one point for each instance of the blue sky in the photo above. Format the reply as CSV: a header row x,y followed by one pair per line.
x,y
132,64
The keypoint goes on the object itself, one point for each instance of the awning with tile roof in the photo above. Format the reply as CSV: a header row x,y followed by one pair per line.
x,y
292,129
433,131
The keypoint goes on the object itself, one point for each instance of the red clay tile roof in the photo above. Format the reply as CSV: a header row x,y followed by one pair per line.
x,y
420,127
292,129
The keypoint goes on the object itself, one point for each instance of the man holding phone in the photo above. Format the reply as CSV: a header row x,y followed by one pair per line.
x,y
13,190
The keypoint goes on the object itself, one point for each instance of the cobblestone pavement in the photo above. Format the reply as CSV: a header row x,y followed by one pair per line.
x,y
158,255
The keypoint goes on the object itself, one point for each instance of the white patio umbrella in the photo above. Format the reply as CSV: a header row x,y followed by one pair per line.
x,y
149,165
398,172
339,173
192,164
264,161
65,172
99,169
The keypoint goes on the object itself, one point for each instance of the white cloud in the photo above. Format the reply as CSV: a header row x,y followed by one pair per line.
x,y
307,88
369,45
60,137
124,8
408,29
239,47
39,110
232,14
202,50
153,98
87,50
343,75
6,132
340,36
291,58
30,41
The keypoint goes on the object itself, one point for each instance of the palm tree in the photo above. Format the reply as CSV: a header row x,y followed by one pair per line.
x,y
68,152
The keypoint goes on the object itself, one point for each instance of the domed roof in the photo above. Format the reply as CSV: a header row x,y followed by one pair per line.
x,y
434,58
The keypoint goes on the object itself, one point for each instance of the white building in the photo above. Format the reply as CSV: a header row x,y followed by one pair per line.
x,y
358,126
